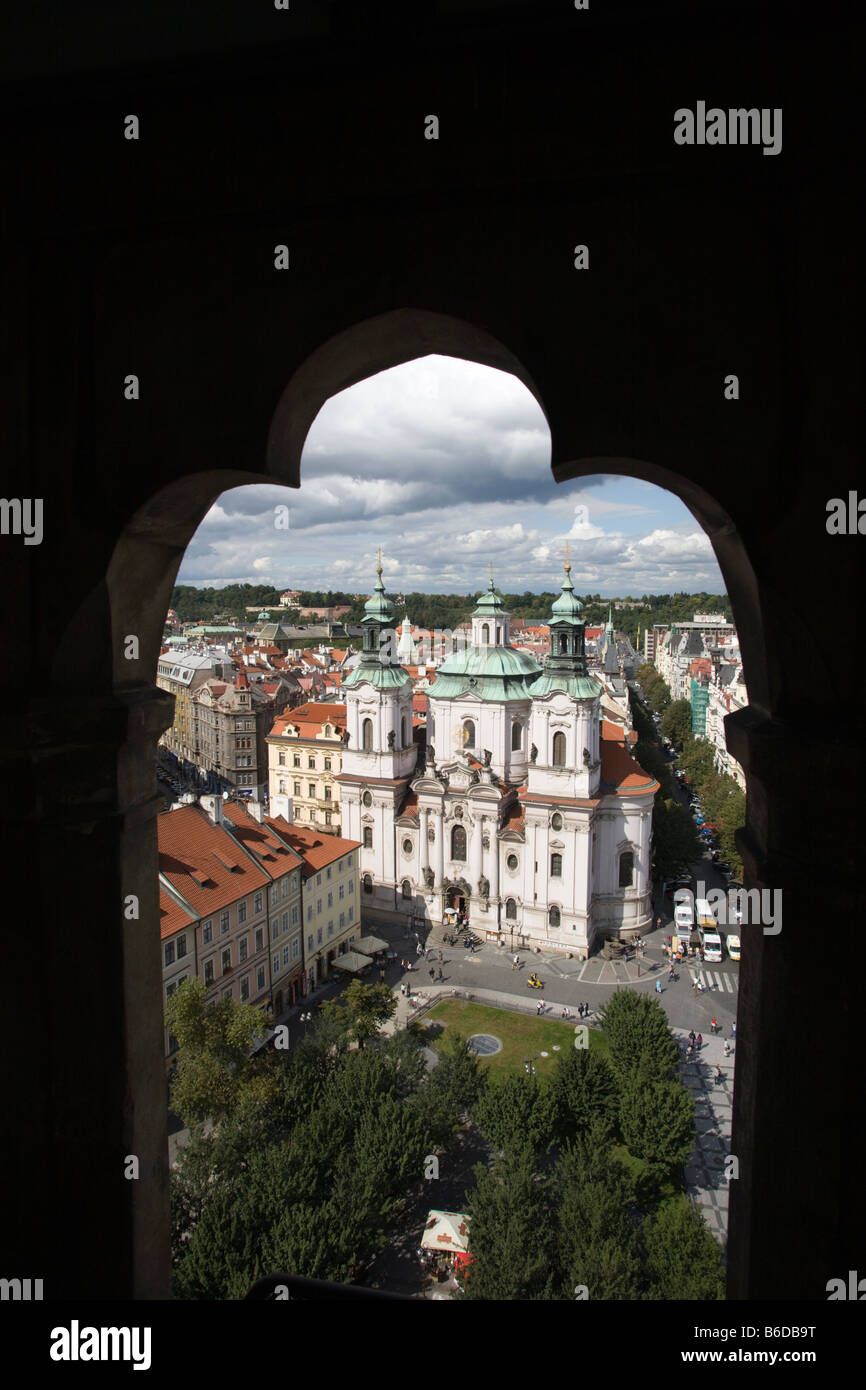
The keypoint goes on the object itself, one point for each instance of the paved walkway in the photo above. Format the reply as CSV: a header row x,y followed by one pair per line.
x,y
705,1170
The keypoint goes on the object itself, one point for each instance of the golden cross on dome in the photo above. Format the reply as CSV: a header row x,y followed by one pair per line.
x,y
567,559
491,573
379,561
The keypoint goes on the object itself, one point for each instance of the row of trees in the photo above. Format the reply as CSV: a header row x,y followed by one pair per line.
x,y
676,841
308,1156
589,1223
443,610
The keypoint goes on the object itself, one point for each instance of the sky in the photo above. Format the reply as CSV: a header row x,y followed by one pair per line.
x,y
446,465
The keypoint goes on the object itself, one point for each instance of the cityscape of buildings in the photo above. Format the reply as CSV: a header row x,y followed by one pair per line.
x,y
316,790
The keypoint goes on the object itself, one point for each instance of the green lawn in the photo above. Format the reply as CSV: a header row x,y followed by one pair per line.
x,y
521,1035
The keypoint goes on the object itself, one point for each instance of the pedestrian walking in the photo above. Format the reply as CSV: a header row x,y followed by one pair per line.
x,y
692,1037
515,963
700,1041
440,975
727,1048
720,1077
733,1030
432,974
403,987
694,986
658,986
440,957
713,1025
382,976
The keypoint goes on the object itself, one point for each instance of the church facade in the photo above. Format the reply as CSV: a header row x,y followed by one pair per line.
x,y
524,806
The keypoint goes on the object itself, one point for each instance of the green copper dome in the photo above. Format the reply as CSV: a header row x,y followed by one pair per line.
x,y
490,604
567,608
490,673
378,608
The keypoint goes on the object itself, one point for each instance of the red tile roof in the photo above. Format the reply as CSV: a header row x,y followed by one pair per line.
x,y
202,862
309,718
315,849
618,768
260,840
172,917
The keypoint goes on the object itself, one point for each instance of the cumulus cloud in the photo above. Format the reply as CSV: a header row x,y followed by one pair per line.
x,y
446,464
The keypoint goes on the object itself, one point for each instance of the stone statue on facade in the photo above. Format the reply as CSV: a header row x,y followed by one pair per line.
x,y
483,887
391,738
428,879
533,753
586,757
486,757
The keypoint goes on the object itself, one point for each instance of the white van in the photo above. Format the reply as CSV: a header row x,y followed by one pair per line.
x,y
733,945
683,917
706,918
711,946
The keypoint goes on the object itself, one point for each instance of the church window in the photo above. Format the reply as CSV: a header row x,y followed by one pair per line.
x,y
512,862
485,633
559,749
626,869
458,842
368,837
468,733
563,642
367,799
516,737
556,866
407,846
556,821
407,888
367,735
510,910
555,917
403,743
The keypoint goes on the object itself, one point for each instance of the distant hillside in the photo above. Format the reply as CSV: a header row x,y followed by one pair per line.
x,y
448,610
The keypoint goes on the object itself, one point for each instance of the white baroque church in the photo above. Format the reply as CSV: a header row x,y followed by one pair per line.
x,y
524,807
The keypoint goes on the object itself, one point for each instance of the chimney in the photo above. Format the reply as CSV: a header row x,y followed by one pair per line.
x,y
256,810
212,805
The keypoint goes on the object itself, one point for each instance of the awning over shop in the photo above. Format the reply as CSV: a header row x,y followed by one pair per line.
x,y
352,961
369,945
446,1230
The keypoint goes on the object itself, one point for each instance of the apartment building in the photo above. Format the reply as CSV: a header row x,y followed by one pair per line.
x,y
305,758
177,932
181,674
231,720
224,890
331,896
259,836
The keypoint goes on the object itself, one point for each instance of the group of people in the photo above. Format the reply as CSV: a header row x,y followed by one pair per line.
x,y
583,1011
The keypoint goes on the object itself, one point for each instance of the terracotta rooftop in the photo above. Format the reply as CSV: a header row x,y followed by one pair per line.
x,y
202,862
172,917
316,850
260,840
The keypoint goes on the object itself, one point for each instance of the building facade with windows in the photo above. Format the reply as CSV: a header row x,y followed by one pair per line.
x,y
331,897
526,809
224,889
177,931
262,841
305,752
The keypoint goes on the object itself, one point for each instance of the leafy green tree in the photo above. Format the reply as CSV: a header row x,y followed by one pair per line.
x,y
584,1093
657,1122
361,1010
510,1234
676,722
214,1066
676,842
651,759
514,1111
457,1079
596,1239
683,1259
639,1036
